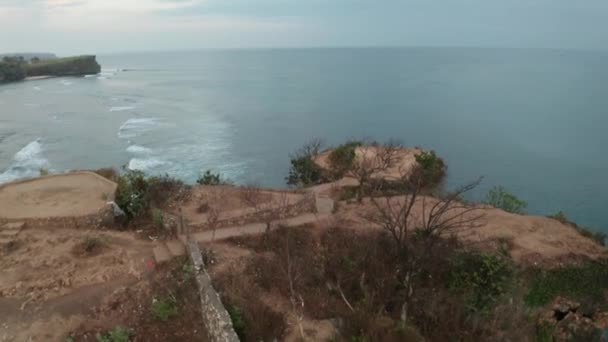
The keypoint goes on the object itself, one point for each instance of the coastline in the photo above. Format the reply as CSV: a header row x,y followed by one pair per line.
x,y
38,78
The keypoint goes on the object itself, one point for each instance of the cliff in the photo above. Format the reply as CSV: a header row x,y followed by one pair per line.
x,y
14,69
70,66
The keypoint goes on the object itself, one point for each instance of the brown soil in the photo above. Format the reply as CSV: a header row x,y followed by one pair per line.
x,y
229,201
531,239
45,290
130,307
65,195
405,161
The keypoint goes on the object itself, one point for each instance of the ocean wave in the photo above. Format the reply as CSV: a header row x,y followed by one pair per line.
x,y
90,76
66,83
37,88
121,108
137,126
145,164
27,163
136,149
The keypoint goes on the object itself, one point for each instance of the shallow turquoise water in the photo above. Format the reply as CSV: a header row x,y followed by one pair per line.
x,y
531,120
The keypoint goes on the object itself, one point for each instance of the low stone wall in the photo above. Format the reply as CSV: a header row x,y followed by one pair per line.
x,y
308,204
215,317
104,218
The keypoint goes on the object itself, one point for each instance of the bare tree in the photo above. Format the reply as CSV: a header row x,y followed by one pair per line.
x,y
216,198
267,207
417,223
373,159
291,267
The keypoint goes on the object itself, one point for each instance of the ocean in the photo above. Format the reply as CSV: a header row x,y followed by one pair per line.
x,y
532,120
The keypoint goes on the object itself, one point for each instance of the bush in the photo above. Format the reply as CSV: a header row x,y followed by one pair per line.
x,y
164,308
500,198
238,322
131,194
12,69
118,334
431,169
163,189
342,157
579,282
91,244
209,178
304,171
483,277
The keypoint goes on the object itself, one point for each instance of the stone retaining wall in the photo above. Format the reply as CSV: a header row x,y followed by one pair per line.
x,y
216,319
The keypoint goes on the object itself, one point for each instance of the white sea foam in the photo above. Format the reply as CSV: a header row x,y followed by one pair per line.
x,y
145,165
136,126
136,149
102,78
90,76
66,83
27,163
121,108
37,88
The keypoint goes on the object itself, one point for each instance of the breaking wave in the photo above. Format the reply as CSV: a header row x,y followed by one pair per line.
x,y
27,162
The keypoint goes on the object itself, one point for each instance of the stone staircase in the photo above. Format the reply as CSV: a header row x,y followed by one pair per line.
x,y
168,250
10,231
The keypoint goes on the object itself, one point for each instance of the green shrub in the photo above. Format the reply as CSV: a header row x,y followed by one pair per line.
x,y
304,171
12,69
131,194
500,198
238,321
118,334
164,308
432,169
482,277
579,282
91,244
342,157
158,219
209,178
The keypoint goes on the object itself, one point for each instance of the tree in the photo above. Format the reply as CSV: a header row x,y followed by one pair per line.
x,y
267,207
304,171
417,223
373,159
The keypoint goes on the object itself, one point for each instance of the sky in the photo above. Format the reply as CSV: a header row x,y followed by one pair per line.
x,y
106,26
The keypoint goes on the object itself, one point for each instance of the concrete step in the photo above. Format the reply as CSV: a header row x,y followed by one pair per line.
x,y
176,247
161,254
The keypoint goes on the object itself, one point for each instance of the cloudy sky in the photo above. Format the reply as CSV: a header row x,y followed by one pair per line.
x,y
101,26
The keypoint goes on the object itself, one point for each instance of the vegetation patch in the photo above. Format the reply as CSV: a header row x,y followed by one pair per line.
x,y
483,278
164,308
500,198
118,334
210,178
342,157
91,246
432,169
588,281
137,194
304,171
